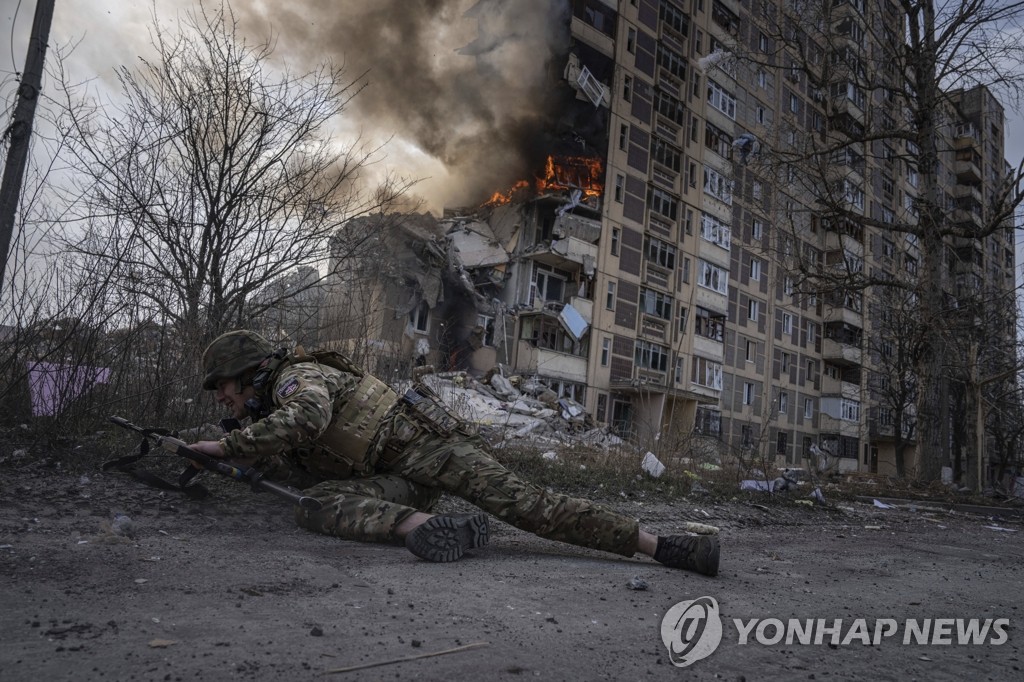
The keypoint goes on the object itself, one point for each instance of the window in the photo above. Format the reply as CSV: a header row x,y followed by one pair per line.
x,y
783,402
631,40
655,303
748,393
606,351
713,277
666,155
709,325
849,410
758,190
620,187
602,408
683,314
785,362
627,88
717,185
753,309
671,61
661,253
419,317
721,99
717,140
547,286
686,271
623,136
662,203
782,446
715,231
486,322
669,107
787,286
808,408
812,331
609,299
762,79
747,436
707,373
650,356
787,323
616,235
751,350
755,270
756,230
762,42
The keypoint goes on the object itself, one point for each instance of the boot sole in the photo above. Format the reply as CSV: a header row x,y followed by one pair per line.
x,y
702,560
446,538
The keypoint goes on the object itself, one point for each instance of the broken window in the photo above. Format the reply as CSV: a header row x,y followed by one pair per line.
x,y
548,285
650,356
419,317
655,303
709,325
486,322
544,331
661,253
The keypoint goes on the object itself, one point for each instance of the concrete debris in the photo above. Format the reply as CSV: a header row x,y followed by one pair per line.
x,y
507,408
883,505
637,583
550,455
652,465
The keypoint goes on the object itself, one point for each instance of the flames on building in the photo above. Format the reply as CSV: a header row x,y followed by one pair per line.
x,y
561,173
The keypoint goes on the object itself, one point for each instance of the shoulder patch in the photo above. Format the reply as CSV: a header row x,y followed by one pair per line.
x,y
288,387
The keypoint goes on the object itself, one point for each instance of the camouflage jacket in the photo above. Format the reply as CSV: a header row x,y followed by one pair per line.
x,y
307,398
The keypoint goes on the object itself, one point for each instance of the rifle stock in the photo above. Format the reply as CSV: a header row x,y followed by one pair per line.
x,y
250,475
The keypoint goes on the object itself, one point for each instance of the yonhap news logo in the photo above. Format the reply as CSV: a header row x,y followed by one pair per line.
x,y
692,630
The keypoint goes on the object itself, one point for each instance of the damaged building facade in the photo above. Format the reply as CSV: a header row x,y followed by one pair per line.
x,y
644,271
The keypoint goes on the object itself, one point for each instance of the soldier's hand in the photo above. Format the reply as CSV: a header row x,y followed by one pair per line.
x,y
211,448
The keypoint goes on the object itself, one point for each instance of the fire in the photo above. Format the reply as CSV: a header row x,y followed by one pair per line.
x,y
585,173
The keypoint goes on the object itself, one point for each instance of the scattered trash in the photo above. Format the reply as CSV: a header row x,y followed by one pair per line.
x,y
652,465
818,497
636,583
83,480
83,542
550,455
316,632
809,503
6,546
1000,528
883,505
872,528
161,643
141,581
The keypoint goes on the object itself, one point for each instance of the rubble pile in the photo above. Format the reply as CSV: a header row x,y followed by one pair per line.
x,y
508,408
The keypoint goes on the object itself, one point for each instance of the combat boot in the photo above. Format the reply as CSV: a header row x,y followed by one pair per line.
x,y
697,553
446,537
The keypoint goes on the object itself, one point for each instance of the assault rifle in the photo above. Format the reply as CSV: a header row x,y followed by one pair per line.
x,y
204,461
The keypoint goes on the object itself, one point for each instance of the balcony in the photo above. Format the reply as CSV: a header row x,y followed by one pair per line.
x,y
842,427
532,359
570,254
968,171
841,352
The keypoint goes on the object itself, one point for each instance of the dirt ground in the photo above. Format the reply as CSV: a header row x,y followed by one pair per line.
x,y
229,588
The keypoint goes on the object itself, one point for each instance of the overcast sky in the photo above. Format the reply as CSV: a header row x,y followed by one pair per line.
x,y
455,92
456,85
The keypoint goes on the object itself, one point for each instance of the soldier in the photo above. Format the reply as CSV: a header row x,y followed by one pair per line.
x,y
379,461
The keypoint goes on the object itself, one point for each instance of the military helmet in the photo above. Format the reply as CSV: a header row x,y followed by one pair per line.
x,y
230,354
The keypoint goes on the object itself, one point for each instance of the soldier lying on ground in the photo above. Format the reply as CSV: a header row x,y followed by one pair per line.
x,y
379,462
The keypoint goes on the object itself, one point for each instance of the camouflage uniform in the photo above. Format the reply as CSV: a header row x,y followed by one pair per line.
x,y
410,461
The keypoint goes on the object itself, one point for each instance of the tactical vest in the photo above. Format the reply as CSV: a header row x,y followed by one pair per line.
x,y
347,446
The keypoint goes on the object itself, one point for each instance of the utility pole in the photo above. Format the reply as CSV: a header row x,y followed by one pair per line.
x,y
20,129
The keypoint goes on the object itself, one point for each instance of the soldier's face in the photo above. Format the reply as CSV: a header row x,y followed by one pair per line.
x,y
229,395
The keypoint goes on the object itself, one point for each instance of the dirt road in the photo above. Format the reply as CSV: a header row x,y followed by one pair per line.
x,y
231,589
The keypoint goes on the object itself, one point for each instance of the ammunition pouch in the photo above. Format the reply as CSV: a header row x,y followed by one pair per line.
x,y
347,441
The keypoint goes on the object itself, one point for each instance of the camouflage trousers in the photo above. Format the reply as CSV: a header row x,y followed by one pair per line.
x,y
369,508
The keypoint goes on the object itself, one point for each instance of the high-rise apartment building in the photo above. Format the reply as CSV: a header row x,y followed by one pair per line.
x,y
704,315
724,281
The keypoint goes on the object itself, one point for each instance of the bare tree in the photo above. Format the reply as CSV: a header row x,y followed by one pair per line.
x,y
215,177
887,104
